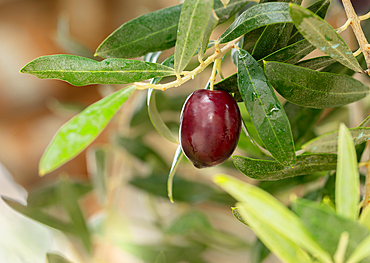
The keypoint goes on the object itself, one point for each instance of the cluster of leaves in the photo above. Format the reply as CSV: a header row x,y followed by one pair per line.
x,y
273,38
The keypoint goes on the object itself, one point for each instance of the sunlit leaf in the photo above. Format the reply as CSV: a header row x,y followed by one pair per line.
x,y
238,216
365,217
255,17
80,131
310,88
69,200
80,71
320,34
154,31
194,18
326,226
38,215
175,164
347,183
284,248
316,63
271,170
267,114
225,2
212,23
328,143
96,162
275,216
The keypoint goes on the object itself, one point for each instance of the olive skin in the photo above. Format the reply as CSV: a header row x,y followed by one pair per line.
x,y
210,126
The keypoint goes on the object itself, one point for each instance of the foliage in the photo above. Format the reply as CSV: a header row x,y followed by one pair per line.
x,y
267,42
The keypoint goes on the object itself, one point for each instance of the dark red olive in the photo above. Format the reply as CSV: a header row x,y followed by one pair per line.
x,y
209,127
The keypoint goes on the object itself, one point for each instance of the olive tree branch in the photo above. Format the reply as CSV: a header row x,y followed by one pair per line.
x,y
218,54
354,21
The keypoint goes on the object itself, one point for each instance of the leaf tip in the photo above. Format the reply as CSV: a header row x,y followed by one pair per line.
x,y
220,179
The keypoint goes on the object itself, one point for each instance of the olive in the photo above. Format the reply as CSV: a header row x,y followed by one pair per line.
x,y
210,126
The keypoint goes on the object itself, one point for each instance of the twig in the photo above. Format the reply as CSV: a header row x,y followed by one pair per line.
x,y
354,21
190,75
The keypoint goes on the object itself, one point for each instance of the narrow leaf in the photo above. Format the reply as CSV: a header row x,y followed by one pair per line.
x,y
194,18
230,84
267,114
70,203
80,131
212,23
347,183
365,217
275,216
326,226
175,164
156,119
310,88
320,34
291,54
154,31
270,170
39,216
255,17
362,251
96,162
161,258
55,258
316,63
320,8
328,143
284,248
238,216
80,71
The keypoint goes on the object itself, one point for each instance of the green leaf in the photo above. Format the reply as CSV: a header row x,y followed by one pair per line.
x,y
347,183
326,226
365,122
154,31
275,216
320,8
291,54
230,85
47,195
301,119
320,34
96,162
80,71
74,136
270,170
55,258
194,220
328,142
212,23
147,33
365,217
284,248
310,88
69,200
255,17
316,63
38,215
171,175
161,258
258,252
194,18
156,119
265,110
362,251
237,215
141,151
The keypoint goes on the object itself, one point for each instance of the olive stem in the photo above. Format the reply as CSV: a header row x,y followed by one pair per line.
x,y
190,75
354,21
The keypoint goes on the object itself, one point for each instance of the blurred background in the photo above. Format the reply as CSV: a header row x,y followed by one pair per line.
x,y
128,216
